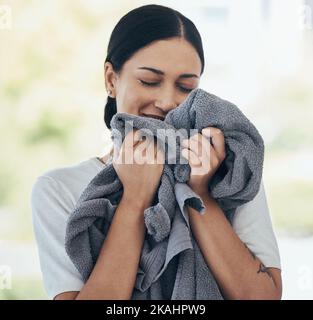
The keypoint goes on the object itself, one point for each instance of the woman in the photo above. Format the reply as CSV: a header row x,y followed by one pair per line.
x,y
154,59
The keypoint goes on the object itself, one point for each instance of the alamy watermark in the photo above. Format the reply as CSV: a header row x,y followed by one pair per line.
x,y
5,277
170,147
305,278
5,17
305,17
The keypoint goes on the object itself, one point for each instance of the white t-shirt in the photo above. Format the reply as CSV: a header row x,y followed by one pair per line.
x,y
55,193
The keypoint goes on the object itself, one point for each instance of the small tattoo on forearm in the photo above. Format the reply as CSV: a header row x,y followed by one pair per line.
x,y
264,269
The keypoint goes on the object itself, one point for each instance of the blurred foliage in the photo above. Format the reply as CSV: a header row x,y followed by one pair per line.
x,y
288,139
24,289
50,127
290,204
6,185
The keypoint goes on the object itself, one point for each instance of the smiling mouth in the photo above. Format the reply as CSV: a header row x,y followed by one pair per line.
x,y
154,116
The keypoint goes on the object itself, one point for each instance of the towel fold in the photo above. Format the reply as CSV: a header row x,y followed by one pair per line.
x,y
171,264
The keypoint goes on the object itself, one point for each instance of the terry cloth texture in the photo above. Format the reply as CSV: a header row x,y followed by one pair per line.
x,y
171,264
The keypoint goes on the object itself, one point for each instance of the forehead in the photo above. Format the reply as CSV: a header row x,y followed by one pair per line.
x,y
173,56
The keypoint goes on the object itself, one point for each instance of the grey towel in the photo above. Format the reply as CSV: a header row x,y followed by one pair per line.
x,y
171,263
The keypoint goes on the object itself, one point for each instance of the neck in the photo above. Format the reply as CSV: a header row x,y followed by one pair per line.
x,y
106,157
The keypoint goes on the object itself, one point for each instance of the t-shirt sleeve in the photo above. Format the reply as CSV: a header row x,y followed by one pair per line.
x,y
253,224
51,204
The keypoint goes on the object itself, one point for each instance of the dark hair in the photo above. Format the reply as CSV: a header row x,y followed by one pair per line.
x,y
138,28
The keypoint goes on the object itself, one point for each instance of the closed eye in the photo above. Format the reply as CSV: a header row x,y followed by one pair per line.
x,y
149,83
154,84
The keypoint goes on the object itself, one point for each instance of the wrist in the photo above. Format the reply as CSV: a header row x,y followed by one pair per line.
x,y
134,201
204,194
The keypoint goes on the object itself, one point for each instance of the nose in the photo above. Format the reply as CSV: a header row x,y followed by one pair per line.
x,y
166,103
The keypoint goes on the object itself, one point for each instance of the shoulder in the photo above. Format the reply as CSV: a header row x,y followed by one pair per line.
x,y
62,186
253,224
76,173
256,209
53,197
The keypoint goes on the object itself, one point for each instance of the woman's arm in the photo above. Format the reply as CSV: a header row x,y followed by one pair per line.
x,y
114,274
115,271
238,272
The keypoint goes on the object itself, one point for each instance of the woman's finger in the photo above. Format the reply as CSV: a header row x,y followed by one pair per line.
x,y
205,146
143,152
159,154
191,157
193,144
200,146
218,140
134,137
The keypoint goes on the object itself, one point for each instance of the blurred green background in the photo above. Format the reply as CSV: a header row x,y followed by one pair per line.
x,y
52,96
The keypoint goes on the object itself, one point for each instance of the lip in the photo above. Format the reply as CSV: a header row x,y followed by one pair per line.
x,y
154,116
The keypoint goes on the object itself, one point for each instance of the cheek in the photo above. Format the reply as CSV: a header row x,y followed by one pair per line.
x,y
134,98
125,97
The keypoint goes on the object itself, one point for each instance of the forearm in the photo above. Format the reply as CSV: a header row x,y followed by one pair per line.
x,y
239,274
115,271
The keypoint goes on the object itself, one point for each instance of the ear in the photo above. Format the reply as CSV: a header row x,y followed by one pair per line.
x,y
110,78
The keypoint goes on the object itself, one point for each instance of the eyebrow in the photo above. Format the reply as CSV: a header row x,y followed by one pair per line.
x,y
184,75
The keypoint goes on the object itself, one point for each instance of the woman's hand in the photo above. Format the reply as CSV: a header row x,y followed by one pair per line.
x,y
139,164
203,158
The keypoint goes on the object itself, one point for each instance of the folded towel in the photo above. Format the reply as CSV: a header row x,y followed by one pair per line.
x,y
171,263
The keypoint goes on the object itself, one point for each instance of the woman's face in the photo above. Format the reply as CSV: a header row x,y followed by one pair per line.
x,y
156,79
